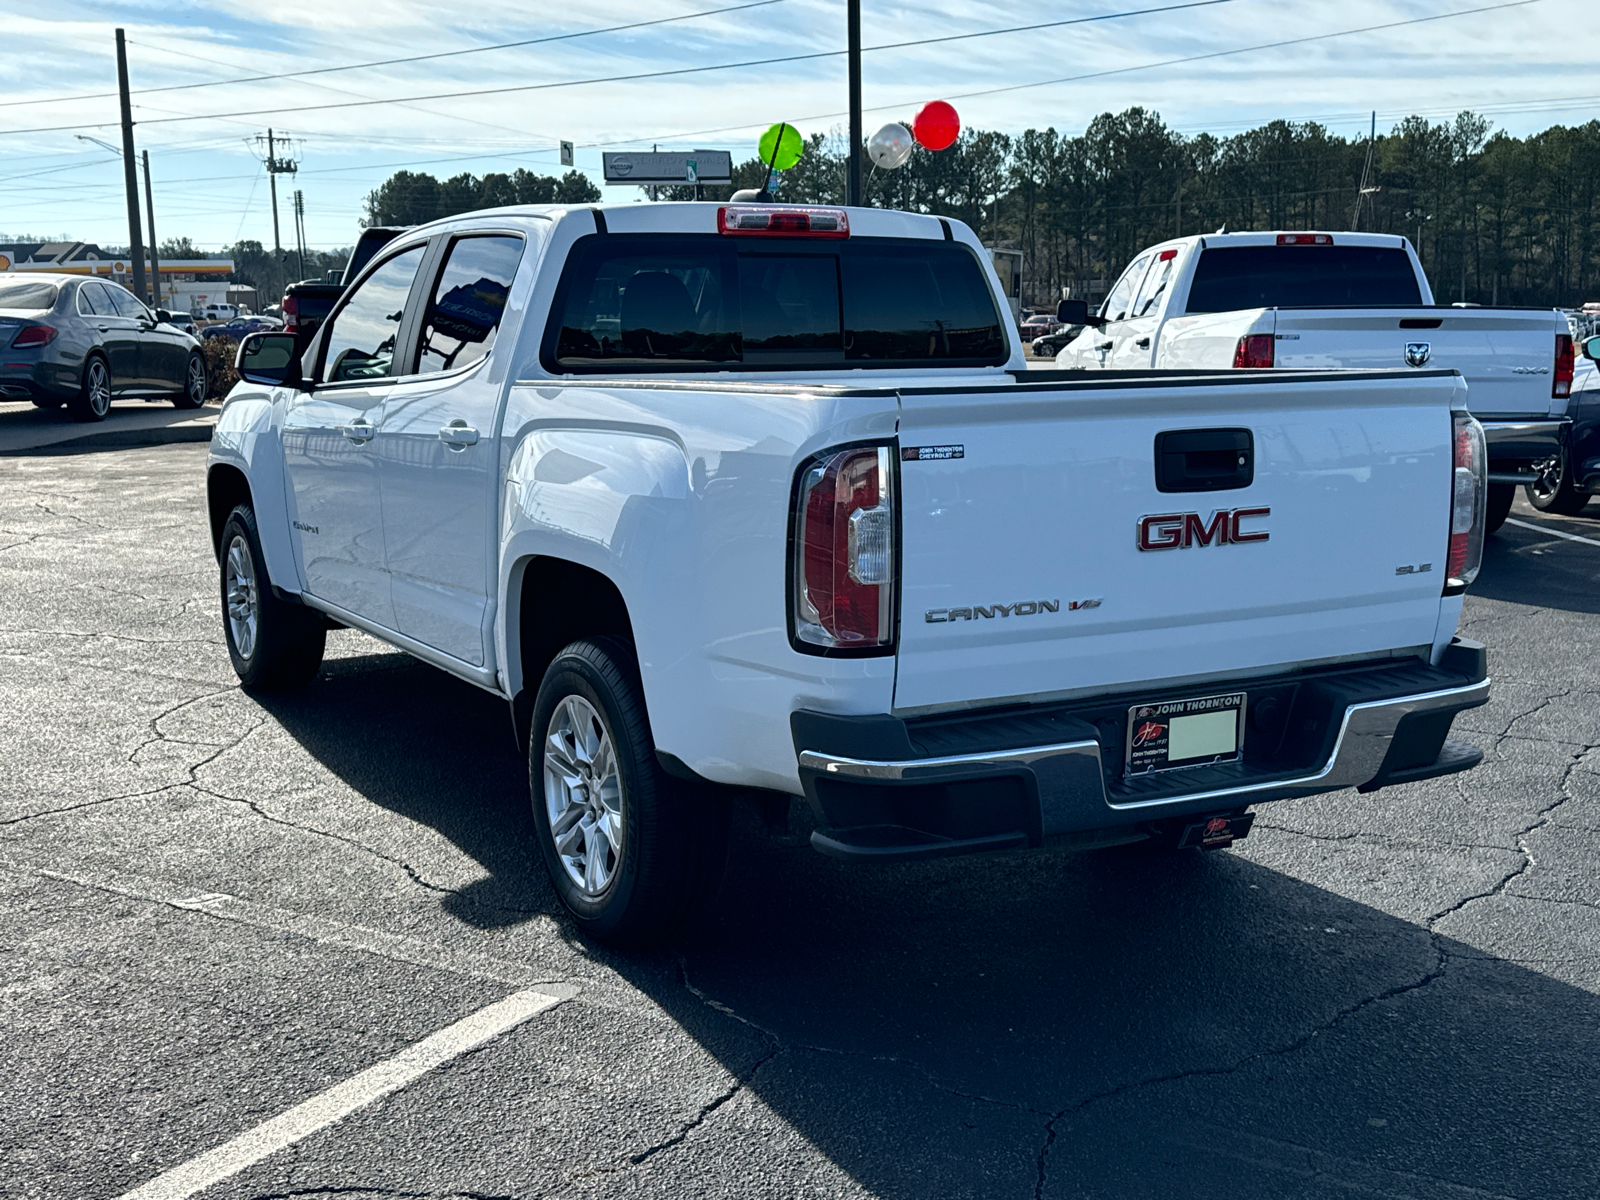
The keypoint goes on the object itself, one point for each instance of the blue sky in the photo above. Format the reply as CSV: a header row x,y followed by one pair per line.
x,y
1527,68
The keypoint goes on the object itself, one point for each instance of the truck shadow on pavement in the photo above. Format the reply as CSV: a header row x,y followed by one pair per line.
x,y
1567,572
1112,1024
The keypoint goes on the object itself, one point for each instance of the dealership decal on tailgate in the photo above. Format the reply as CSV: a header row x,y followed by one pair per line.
x,y
1185,733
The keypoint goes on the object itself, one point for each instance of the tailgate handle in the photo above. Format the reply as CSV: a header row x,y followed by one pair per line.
x,y
1204,460
1421,322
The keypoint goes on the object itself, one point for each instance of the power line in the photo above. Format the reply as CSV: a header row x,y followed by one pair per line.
x,y
675,71
390,62
904,104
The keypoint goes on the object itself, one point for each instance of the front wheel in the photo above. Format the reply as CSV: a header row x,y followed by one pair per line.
x,y
275,645
1552,491
194,384
93,400
1499,506
633,853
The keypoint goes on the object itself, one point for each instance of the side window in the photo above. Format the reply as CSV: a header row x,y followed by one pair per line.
x,y
1121,298
361,339
468,302
1155,284
93,301
127,303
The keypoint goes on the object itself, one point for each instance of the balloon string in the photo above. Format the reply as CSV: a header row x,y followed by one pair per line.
x,y
776,142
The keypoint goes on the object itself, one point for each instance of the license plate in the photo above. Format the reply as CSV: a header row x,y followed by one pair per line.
x,y
1185,733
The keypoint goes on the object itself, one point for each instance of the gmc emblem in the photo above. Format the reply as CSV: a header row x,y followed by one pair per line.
x,y
1179,531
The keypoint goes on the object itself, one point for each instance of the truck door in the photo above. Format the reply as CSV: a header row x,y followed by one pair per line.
x,y
1116,310
1134,347
327,445
437,452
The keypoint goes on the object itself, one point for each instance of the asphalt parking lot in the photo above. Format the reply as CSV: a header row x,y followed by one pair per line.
x,y
219,911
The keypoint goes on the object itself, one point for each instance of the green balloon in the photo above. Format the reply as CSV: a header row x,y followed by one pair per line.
x,y
781,146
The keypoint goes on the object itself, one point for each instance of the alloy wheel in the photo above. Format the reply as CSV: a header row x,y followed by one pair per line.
x,y
243,597
1547,480
196,385
99,388
583,795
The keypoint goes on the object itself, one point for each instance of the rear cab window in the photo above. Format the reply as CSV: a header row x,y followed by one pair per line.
x,y
1228,278
468,302
648,302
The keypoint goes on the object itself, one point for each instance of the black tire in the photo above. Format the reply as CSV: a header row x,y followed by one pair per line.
x,y
195,383
1499,507
93,400
674,834
1553,492
285,647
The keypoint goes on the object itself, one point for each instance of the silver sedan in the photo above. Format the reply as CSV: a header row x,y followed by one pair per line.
x,y
87,342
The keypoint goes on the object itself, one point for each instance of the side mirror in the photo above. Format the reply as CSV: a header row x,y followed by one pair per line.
x,y
1076,312
269,358
163,315
1591,348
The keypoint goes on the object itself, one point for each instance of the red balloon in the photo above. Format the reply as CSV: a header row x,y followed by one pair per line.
x,y
936,125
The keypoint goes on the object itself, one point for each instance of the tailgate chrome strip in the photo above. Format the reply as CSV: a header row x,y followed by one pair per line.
x,y
1358,754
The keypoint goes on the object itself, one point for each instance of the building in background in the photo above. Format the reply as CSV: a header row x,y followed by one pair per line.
x,y
187,285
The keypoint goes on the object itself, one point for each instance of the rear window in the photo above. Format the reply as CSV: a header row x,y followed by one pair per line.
x,y
649,303
1233,277
27,297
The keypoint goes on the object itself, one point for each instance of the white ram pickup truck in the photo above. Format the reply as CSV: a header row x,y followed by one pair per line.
x,y
763,499
1309,301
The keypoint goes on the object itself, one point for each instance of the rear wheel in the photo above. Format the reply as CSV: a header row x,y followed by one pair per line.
x,y
1499,507
633,853
93,400
275,645
194,384
1552,491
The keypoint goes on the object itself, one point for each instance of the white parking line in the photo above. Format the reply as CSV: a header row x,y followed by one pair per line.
x,y
344,1098
1571,537
324,930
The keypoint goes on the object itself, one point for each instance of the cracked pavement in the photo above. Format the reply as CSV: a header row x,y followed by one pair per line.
x,y
217,907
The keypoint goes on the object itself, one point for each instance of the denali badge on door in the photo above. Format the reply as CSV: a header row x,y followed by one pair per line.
x,y
1185,733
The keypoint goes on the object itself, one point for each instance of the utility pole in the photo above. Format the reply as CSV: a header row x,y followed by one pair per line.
x,y
853,169
277,166
129,173
150,212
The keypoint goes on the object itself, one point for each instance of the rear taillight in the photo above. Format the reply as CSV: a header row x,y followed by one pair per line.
x,y
1305,239
1253,350
1561,386
291,314
768,220
844,553
1469,484
42,335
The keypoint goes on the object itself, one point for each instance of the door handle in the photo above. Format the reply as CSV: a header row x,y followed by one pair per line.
x,y
1103,346
458,435
359,431
1143,343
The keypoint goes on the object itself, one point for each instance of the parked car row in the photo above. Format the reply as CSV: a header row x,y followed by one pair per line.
x,y
84,343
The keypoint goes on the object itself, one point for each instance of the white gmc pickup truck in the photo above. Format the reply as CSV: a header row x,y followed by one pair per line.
x,y
1299,301
761,498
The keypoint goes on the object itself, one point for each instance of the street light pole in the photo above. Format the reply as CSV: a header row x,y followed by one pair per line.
x,y
853,170
129,174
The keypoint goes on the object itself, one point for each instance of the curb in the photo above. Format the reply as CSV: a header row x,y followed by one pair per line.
x,y
121,439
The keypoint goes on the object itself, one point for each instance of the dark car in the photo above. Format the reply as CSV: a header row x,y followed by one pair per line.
x,y
238,327
1566,483
1051,344
86,342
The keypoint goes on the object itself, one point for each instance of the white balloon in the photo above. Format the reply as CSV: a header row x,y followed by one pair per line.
x,y
890,146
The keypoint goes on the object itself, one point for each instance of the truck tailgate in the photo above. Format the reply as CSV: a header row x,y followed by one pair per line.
x,y
1506,356
1022,576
